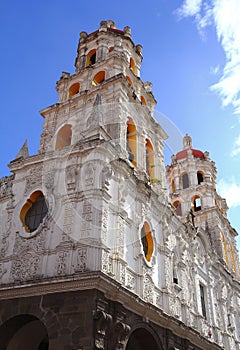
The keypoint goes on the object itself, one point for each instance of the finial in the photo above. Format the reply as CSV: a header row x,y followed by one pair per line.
x,y
127,31
187,142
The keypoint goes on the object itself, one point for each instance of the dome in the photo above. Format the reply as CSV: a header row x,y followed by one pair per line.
x,y
187,146
184,153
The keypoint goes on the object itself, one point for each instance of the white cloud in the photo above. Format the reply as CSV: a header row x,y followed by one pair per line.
x,y
236,147
224,15
229,190
215,70
190,8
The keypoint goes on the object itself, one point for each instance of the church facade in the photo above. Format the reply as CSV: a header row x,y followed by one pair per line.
x,y
95,251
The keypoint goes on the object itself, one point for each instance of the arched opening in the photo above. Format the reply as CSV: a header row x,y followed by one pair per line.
x,y
196,203
34,211
129,80
178,208
141,339
225,249
64,137
233,259
173,186
91,58
149,159
132,141
133,66
73,90
147,241
143,101
185,181
98,78
200,177
24,332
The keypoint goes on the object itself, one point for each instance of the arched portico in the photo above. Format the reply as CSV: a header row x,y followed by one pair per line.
x,y
142,339
23,332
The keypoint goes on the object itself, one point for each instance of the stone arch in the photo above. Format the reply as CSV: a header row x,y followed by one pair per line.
x,y
185,180
98,78
196,203
200,176
64,136
132,66
24,332
132,141
91,58
150,163
73,90
141,339
178,208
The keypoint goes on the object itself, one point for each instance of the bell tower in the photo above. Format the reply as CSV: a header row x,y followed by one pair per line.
x,y
192,185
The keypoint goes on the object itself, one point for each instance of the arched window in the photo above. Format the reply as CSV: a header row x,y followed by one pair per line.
x,y
132,141
185,181
202,290
73,90
149,159
173,186
98,78
233,259
225,248
196,203
133,66
64,137
143,101
200,177
147,241
129,80
175,270
33,211
91,58
178,208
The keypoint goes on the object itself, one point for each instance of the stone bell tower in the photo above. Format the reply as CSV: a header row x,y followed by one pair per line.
x,y
192,182
92,255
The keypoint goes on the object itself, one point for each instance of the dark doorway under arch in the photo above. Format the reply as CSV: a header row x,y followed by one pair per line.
x,y
23,332
141,339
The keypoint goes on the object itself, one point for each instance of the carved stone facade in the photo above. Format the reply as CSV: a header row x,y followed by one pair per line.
x,y
93,254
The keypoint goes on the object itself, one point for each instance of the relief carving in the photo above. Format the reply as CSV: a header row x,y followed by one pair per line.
x,y
122,331
81,260
88,175
62,263
26,266
103,322
6,186
34,179
71,175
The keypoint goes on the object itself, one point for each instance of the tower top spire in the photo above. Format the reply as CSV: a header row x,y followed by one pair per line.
x,y
187,142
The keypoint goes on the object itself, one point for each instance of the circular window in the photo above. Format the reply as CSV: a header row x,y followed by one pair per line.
x,y
147,241
34,211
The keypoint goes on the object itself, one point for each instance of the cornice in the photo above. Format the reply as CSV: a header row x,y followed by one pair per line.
x,y
113,291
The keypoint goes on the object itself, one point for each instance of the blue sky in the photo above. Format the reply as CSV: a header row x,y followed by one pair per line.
x,y
191,54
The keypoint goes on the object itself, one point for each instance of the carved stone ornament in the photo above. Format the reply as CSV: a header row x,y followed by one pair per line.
x,y
2,270
34,179
71,175
81,260
103,322
62,263
25,267
5,186
122,331
106,176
